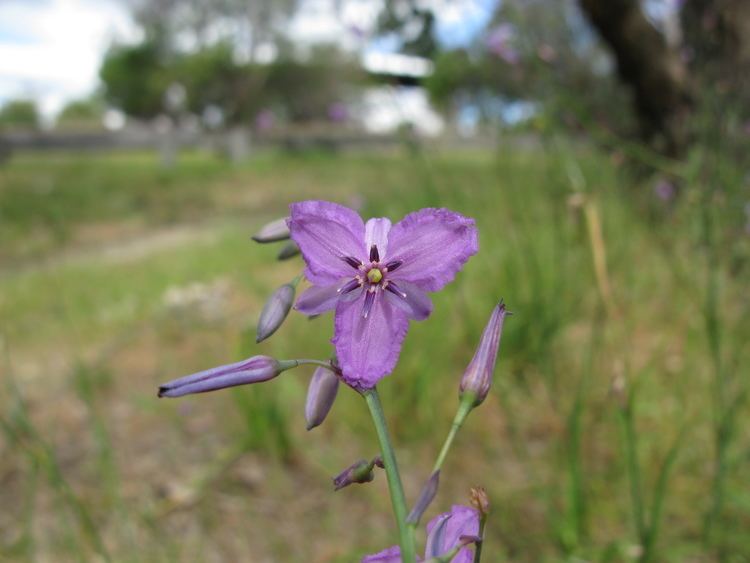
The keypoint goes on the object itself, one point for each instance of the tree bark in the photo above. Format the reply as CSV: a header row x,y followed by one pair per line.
x,y
650,66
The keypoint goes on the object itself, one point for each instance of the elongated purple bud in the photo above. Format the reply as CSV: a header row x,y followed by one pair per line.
x,y
272,232
426,496
321,394
252,370
290,250
477,378
275,311
359,472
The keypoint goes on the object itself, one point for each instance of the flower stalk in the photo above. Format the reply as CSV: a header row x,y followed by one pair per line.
x,y
464,408
395,488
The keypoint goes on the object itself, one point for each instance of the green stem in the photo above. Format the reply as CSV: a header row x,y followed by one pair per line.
x,y
295,363
464,408
478,548
396,489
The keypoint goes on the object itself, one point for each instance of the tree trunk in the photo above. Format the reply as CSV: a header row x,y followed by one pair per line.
x,y
650,66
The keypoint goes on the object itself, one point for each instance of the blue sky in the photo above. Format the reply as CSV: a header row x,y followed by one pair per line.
x,y
50,50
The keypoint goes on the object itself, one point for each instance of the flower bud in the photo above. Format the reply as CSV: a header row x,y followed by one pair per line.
x,y
252,370
477,378
272,232
275,311
289,250
426,496
359,472
324,386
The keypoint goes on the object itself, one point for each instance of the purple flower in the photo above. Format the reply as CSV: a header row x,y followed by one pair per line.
x,y
375,277
390,555
265,120
338,112
445,532
252,370
499,43
665,190
477,378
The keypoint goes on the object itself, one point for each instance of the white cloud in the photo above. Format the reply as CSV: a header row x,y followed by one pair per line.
x,y
51,50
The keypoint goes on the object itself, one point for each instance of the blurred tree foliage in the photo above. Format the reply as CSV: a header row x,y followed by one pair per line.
x,y
538,52
87,112
412,23
228,55
19,114
135,77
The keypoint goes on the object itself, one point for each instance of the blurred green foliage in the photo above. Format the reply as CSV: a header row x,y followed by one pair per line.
x,y
136,79
87,112
19,114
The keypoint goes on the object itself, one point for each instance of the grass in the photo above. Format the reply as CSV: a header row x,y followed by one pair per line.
x,y
617,425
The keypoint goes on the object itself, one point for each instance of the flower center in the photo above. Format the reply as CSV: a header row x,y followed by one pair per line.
x,y
377,278
375,275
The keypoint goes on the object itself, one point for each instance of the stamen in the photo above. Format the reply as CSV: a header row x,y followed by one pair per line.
x,y
393,288
369,301
353,262
350,286
374,254
393,265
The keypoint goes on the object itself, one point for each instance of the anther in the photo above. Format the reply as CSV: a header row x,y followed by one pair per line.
x,y
353,262
393,288
351,286
393,265
369,301
374,254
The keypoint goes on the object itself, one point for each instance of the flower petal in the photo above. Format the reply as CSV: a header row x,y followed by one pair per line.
x,y
326,233
376,232
445,530
318,299
368,348
410,299
390,555
433,245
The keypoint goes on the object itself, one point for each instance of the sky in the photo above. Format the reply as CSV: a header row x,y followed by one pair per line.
x,y
50,50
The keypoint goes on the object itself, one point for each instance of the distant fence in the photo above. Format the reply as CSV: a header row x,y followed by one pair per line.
x,y
143,138
237,143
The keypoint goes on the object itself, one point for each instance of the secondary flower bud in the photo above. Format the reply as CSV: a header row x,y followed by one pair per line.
x,y
272,232
289,250
426,496
275,311
324,386
252,370
359,472
477,378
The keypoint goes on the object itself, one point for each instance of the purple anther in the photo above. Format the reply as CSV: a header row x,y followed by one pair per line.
x,y
393,265
369,301
393,288
353,262
350,286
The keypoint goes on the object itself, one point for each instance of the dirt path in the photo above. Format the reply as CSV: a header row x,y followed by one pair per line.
x,y
127,248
